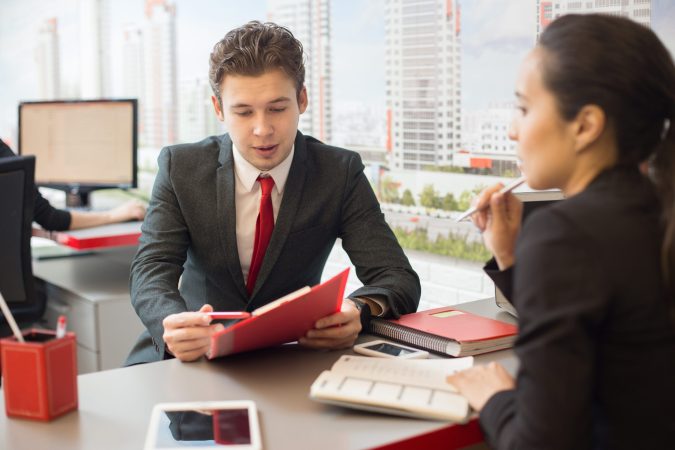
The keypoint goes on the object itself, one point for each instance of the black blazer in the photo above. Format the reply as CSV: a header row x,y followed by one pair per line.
x,y
190,230
596,344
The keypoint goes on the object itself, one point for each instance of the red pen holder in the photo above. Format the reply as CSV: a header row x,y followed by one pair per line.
x,y
39,375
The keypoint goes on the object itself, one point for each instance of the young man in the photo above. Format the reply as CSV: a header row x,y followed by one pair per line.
x,y
247,217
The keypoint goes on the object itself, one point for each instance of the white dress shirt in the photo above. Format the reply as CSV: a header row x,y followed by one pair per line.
x,y
247,200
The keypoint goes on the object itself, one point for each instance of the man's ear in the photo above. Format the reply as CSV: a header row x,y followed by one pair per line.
x,y
588,126
302,100
217,106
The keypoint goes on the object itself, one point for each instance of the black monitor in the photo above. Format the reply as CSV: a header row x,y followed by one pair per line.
x,y
81,145
17,197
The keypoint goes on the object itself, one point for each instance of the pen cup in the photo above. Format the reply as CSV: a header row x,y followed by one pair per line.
x,y
39,375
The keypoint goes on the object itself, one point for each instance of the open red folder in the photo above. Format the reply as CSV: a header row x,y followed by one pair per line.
x,y
284,320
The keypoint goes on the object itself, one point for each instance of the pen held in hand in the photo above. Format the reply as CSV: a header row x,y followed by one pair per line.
x,y
229,315
508,188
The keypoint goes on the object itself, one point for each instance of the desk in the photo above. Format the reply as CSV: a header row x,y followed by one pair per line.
x,y
92,291
115,405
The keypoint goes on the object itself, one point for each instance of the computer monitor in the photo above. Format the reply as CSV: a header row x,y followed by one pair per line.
x,y
81,145
531,200
16,215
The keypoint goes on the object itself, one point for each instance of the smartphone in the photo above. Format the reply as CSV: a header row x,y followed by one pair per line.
x,y
227,425
385,349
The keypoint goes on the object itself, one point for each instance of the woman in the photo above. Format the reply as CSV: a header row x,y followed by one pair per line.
x,y
592,276
52,219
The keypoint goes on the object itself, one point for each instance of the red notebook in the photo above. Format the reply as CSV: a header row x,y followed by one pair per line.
x,y
448,330
284,320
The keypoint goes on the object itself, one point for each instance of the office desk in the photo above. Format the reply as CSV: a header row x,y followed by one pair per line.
x,y
115,405
92,291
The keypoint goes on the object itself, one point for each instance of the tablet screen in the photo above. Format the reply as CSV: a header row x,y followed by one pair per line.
x,y
204,428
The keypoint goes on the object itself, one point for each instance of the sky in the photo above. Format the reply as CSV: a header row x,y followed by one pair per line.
x,y
496,35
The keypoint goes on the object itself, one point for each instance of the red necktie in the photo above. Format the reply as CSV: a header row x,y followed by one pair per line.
x,y
263,231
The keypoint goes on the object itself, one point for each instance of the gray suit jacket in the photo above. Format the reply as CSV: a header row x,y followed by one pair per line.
x,y
190,230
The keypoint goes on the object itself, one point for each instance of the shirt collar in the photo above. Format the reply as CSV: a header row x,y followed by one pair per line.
x,y
248,173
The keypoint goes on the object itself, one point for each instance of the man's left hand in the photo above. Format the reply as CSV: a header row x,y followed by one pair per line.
x,y
338,330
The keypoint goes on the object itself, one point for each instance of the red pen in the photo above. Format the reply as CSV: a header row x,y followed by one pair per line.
x,y
229,315
61,327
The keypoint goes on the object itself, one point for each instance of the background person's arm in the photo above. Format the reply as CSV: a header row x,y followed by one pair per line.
x,y
131,210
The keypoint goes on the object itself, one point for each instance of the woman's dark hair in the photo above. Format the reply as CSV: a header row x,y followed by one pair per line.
x,y
622,67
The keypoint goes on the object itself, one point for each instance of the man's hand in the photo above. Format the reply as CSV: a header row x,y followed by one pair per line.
x,y
338,330
187,335
478,384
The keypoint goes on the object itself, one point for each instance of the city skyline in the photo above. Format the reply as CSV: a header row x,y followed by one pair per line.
x,y
495,36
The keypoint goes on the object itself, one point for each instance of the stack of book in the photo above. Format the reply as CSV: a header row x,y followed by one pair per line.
x,y
448,331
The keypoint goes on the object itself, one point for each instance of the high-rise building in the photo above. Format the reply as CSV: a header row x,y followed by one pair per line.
x,y
132,61
197,116
132,71
309,21
422,76
95,55
159,96
549,10
485,142
47,60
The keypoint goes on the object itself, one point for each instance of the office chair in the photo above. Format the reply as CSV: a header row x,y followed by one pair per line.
x,y
24,294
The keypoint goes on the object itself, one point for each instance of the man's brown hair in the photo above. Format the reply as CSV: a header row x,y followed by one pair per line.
x,y
253,49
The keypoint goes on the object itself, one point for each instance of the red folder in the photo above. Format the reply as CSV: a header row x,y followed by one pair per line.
x,y
115,235
287,322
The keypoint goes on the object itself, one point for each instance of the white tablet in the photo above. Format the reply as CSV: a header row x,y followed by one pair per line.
x,y
228,425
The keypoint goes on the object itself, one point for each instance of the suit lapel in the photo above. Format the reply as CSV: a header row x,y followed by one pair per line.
x,y
287,211
226,212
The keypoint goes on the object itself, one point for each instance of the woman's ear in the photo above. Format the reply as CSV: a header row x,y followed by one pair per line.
x,y
588,126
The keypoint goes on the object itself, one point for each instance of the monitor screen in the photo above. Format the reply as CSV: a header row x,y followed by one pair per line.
x,y
85,144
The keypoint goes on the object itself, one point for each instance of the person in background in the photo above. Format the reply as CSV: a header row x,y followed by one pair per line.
x,y
53,219
592,277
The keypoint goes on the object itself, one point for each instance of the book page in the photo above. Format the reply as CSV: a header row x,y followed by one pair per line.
x,y
396,398
429,373
276,303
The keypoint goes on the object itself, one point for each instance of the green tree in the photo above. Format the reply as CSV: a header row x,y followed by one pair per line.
x,y
449,202
389,190
429,197
466,197
407,199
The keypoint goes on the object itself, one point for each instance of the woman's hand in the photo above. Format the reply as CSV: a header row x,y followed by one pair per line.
x,y
498,218
480,383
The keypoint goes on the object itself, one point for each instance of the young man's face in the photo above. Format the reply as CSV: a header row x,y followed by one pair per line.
x,y
261,114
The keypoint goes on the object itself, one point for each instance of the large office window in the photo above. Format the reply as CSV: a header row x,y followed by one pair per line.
x,y
422,89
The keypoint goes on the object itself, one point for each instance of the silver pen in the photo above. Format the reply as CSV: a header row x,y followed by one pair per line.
x,y
508,188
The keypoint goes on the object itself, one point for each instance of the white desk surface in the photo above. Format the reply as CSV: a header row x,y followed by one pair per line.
x,y
115,405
